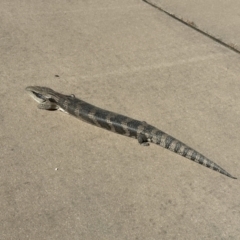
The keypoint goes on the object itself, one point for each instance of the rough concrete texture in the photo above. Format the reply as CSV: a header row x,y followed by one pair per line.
x,y
64,179
219,18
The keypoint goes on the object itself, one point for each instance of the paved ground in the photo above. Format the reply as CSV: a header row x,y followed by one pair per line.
x,y
217,18
63,179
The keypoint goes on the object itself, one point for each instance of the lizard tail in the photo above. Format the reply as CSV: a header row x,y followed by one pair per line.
x,y
208,163
182,149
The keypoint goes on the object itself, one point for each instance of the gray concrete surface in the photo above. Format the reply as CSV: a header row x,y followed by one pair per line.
x,y
219,18
63,179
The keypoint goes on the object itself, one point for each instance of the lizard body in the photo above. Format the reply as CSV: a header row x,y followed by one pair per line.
x,y
48,99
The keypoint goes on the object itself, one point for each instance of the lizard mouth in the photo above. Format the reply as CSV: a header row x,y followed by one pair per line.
x,y
41,98
38,97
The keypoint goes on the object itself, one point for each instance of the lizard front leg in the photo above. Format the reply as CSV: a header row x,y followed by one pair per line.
x,y
142,139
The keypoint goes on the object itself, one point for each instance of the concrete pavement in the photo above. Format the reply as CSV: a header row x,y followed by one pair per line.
x,y
63,179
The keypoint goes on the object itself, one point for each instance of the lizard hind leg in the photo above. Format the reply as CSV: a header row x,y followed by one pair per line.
x,y
142,139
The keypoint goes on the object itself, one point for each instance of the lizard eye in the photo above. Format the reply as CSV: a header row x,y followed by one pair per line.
x,y
51,100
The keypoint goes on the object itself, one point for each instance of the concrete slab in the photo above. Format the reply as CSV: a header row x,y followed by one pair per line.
x,y
63,179
217,18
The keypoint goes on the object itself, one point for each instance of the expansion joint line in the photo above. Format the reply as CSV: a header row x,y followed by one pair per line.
x,y
192,25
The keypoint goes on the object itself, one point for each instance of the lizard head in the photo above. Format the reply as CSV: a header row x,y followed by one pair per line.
x,y
45,97
40,94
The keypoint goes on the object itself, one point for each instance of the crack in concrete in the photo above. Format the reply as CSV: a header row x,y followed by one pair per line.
x,y
192,25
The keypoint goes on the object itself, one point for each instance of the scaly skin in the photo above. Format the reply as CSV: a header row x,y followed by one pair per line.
x,y
143,132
